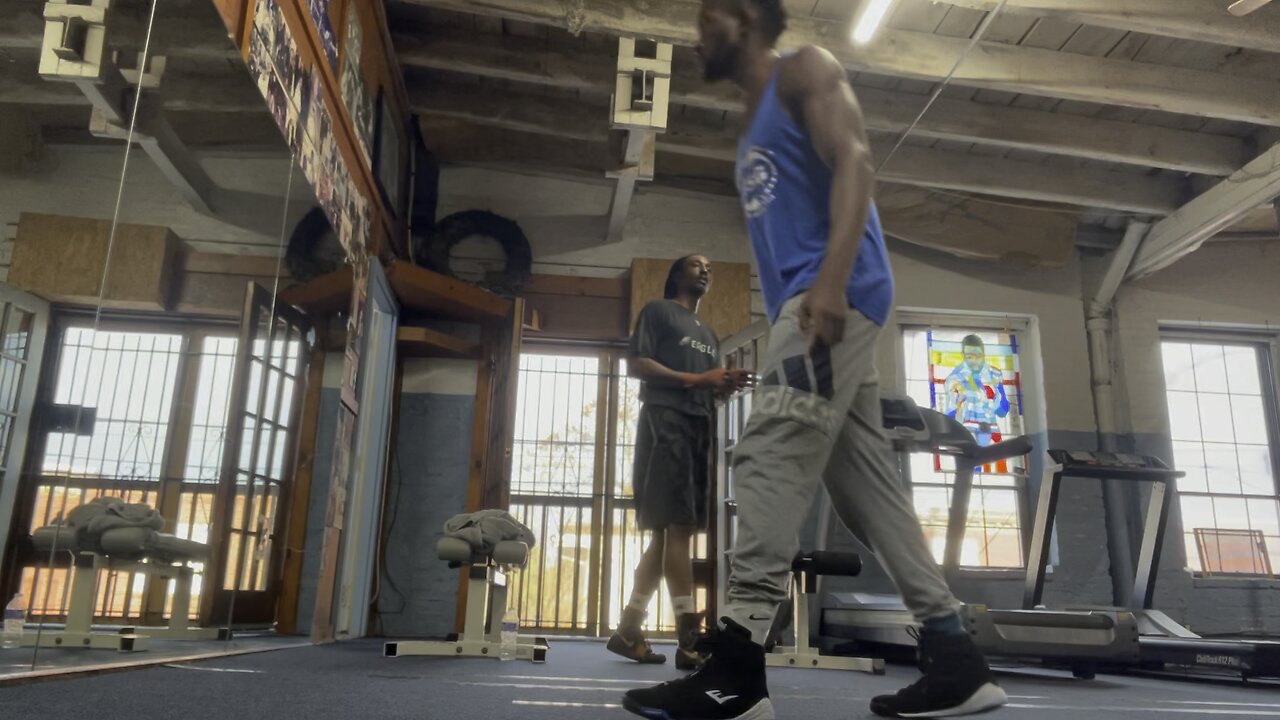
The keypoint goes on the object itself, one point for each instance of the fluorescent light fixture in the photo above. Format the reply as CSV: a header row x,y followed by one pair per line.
x,y
873,15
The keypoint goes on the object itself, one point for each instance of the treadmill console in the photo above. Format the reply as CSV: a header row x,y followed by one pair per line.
x,y
1072,458
902,418
1097,464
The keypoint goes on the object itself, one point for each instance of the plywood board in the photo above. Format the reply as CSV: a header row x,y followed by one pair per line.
x,y
62,259
213,293
726,308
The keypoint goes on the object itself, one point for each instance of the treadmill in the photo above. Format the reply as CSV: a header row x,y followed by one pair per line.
x,y
1081,640
1163,643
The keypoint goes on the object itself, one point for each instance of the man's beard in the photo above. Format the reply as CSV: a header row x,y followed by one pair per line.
x,y
721,65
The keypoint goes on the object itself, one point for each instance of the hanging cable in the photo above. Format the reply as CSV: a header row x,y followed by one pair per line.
x,y
102,291
977,37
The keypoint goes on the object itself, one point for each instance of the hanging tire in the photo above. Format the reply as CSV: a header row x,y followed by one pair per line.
x,y
314,248
454,229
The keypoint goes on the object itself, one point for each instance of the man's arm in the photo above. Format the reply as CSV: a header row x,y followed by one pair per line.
x,y
719,379
655,373
817,92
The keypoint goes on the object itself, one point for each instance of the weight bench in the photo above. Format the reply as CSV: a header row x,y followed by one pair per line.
x,y
486,604
129,549
805,570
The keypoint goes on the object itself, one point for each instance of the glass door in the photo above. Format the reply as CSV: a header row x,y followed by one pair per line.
x,y
257,463
24,324
574,447
557,480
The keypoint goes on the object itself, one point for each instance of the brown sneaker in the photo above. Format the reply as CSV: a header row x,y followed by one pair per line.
x,y
629,642
689,631
634,647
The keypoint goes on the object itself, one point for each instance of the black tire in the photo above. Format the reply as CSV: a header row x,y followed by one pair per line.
x,y
472,223
314,249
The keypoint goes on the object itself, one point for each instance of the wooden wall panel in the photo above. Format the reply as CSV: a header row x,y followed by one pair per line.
x,y
579,308
62,259
580,318
726,308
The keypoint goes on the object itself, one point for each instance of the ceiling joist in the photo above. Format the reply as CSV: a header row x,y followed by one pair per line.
x,y
182,29
924,56
1207,22
922,167
1055,133
961,226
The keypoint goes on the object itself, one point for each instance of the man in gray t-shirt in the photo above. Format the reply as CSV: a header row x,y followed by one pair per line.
x,y
677,357
670,334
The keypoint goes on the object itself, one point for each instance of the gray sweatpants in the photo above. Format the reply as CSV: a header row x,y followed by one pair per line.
x,y
816,415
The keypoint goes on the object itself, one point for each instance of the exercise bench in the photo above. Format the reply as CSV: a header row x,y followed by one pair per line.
x,y
805,570
487,577
129,550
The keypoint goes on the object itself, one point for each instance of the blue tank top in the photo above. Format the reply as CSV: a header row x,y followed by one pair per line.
x,y
785,189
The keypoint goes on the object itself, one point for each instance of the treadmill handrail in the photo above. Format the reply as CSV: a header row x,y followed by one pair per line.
x,y
1015,447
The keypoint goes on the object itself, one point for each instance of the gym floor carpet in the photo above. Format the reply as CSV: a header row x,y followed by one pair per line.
x,y
352,681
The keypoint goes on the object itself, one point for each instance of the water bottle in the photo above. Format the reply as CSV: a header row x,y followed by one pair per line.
x,y
15,616
510,635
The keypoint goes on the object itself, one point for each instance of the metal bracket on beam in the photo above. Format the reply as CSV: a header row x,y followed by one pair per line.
x,y
640,102
642,91
150,76
74,44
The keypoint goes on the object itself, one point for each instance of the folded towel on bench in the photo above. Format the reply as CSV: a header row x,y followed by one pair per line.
x,y
486,528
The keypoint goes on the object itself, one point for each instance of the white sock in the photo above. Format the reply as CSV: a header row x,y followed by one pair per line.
x,y
639,602
683,605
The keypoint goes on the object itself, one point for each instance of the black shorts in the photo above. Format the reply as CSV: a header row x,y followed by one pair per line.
x,y
673,452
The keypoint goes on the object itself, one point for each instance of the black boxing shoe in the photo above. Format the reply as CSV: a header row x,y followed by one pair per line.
x,y
730,685
956,681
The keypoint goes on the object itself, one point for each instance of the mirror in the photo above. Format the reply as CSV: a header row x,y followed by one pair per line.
x,y
129,241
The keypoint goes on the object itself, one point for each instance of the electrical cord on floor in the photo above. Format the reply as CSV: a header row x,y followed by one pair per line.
x,y
384,572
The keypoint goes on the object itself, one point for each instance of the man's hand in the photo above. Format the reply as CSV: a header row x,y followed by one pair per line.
x,y
822,314
724,381
741,379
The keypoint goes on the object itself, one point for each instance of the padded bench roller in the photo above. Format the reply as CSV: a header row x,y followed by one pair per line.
x,y
486,604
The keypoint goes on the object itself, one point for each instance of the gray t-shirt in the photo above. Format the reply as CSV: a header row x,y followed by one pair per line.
x,y
667,333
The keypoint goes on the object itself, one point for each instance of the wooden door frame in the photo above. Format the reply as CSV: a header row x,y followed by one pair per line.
x,y
24,435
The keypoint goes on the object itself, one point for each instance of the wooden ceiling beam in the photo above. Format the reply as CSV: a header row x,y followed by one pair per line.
x,y
182,29
226,93
924,56
922,167
1004,126
1182,233
1207,22
968,227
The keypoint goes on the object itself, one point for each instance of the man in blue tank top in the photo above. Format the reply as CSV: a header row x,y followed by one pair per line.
x,y
805,178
